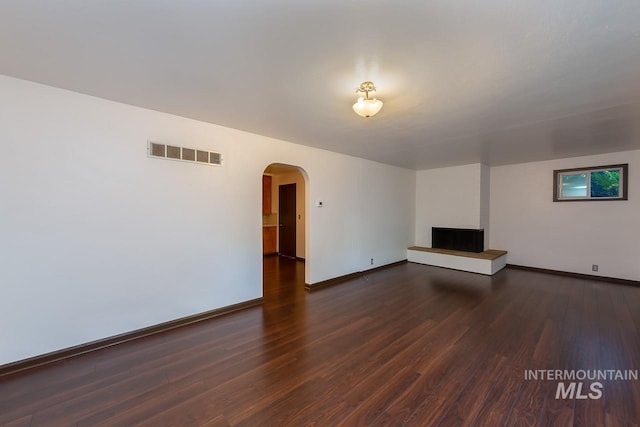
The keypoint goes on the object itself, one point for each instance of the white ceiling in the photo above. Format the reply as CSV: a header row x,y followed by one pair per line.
x,y
463,81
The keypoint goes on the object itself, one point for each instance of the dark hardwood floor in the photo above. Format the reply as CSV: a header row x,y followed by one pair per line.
x,y
409,345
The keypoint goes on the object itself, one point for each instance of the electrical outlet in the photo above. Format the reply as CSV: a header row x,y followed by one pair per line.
x,y
371,261
594,267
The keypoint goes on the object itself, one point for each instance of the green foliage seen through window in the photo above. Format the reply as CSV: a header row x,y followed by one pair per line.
x,y
605,183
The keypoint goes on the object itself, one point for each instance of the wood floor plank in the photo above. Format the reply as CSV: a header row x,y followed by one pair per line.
x,y
526,409
144,406
20,422
409,345
71,411
500,399
445,374
466,407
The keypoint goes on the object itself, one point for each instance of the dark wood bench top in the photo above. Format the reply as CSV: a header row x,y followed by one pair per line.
x,y
489,254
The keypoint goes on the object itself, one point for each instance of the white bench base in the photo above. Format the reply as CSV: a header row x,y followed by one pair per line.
x,y
472,264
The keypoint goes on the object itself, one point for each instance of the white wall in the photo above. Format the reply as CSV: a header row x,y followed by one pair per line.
x,y
292,178
566,236
485,203
97,239
451,197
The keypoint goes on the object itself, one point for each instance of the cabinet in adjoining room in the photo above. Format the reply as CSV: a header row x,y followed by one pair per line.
x,y
266,194
269,240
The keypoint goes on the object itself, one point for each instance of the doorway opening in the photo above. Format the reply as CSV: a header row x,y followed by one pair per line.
x,y
284,230
288,217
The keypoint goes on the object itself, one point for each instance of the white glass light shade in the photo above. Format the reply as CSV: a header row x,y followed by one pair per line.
x,y
367,107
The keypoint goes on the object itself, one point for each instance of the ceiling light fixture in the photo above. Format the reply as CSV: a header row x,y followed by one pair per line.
x,y
365,106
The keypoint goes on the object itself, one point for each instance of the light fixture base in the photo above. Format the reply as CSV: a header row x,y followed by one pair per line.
x,y
366,87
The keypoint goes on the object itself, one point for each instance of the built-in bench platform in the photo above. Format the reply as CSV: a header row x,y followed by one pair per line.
x,y
488,262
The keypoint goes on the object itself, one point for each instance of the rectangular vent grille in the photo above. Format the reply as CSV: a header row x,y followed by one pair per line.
x,y
164,151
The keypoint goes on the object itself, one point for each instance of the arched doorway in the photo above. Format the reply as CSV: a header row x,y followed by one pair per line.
x,y
284,229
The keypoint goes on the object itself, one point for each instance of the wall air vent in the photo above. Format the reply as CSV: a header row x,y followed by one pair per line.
x,y
192,155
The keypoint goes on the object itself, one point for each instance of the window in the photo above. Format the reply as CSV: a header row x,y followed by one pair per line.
x,y
159,150
592,183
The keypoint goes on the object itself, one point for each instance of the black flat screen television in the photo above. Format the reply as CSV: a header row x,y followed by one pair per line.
x,y
458,239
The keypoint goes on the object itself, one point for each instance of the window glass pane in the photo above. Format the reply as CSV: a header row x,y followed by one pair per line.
x,y
202,156
173,152
188,154
605,183
574,185
157,150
